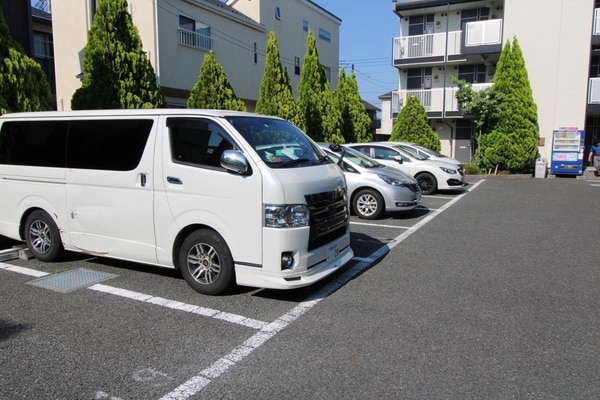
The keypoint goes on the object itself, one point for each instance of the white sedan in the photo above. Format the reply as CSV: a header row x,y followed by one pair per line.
x,y
432,175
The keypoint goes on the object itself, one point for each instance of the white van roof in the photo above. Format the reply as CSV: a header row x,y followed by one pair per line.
x,y
128,113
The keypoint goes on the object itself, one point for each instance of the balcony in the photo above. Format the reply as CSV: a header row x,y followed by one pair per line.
x,y
594,91
194,39
477,38
433,99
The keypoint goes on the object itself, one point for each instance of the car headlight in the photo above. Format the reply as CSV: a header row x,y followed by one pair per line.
x,y
392,181
448,170
286,216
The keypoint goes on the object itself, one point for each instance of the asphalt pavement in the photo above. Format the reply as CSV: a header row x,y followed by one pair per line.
x,y
491,293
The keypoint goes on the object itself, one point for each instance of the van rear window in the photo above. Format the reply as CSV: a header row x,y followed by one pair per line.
x,y
34,143
103,144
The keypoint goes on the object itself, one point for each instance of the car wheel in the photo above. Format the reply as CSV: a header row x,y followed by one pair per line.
x,y
42,236
368,204
427,182
206,263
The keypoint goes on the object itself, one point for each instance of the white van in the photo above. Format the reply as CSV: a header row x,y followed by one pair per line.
x,y
222,196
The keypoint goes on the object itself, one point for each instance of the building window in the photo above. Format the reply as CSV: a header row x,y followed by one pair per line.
x,y
42,45
297,65
472,73
278,12
305,25
421,24
255,53
474,15
323,34
194,34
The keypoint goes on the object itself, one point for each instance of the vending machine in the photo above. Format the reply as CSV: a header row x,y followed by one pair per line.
x,y
567,151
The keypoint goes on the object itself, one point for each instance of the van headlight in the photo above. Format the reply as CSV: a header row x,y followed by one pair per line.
x,y
286,216
448,170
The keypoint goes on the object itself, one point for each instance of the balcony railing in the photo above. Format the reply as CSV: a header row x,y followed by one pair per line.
x,y
483,33
431,99
430,45
594,91
194,39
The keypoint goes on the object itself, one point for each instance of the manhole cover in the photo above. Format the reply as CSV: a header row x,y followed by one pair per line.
x,y
71,280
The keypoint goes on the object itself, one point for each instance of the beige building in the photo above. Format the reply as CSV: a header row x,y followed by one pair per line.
x,y
441,39
176,34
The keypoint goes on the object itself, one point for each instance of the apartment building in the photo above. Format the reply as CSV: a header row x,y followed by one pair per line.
x,y
32,29
176,34
441,39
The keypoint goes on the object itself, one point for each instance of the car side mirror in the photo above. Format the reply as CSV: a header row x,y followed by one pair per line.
x,y
398,159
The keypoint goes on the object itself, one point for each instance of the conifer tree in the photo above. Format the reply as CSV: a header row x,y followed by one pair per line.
x,y
212,90
323,119
356,123
512,143
117,72
412,125
23,85
276,96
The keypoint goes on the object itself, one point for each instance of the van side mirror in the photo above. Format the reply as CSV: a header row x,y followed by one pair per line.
x,y
235,161
398,159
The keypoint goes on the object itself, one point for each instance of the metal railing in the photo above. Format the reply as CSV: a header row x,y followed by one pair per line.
x,y
429,45
431,99
483,33
596,29
194,39
594,91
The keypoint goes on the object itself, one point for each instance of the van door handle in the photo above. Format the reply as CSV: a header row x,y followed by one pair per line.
x,y
174,180
143,180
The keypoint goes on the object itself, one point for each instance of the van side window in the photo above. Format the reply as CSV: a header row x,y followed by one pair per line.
x,y
197,141
107,144
34,143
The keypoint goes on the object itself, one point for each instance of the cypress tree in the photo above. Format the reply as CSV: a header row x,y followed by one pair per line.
x,y
276,96
412,125
356,123
323,119
117,73
212,89
23,85
512,143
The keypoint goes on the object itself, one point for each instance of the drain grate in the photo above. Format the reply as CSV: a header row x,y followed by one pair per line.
x,y
71,280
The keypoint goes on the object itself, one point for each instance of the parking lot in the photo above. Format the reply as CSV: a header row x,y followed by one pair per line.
x,y
92,328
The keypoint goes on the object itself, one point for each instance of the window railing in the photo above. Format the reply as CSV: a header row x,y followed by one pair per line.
x,y
594,91
194,39
483,33
431,99
430,45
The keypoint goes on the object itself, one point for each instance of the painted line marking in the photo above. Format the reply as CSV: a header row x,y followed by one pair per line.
x,y
379,225
146,298
219,367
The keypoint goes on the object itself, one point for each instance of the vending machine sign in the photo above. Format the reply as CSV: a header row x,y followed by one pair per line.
x,y
567,151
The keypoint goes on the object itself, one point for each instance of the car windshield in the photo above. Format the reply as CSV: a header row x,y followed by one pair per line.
x,y
429,151
279,143
413,153
359,158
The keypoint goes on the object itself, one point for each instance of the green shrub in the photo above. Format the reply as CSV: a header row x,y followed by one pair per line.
x,y
471,169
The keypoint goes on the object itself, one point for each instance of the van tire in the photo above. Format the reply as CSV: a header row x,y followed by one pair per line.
x,y
42,236
206,263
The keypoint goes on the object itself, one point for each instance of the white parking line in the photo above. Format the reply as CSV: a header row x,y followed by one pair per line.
x,y
379,225
160,301
200,381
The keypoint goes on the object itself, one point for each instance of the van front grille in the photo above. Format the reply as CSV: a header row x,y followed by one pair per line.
x,y
328,216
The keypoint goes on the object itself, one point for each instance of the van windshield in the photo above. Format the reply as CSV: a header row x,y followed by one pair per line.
x,y
278,142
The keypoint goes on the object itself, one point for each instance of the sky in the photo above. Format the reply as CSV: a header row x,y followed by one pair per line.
x,y
366,34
